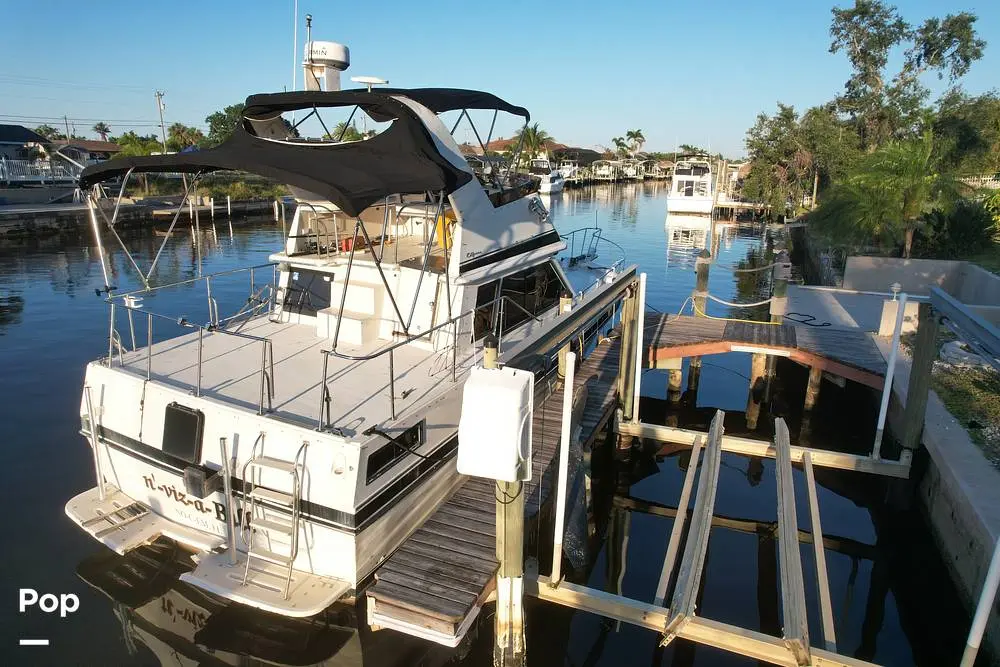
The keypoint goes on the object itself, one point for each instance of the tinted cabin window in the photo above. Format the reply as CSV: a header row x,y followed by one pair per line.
x,y
388,454
528,293
307,293
483,320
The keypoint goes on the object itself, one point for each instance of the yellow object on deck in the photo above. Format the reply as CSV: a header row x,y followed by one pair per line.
x,y
443,232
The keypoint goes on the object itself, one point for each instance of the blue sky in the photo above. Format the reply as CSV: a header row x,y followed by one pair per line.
x,y
683,72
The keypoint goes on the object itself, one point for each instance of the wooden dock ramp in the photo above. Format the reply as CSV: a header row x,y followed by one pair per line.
x,y
847,353
434,585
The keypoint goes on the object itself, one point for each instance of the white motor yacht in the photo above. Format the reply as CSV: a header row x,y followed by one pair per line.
x,y
691,190
550,180
293,445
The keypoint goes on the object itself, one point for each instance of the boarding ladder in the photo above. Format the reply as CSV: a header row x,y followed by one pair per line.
x,y
271,512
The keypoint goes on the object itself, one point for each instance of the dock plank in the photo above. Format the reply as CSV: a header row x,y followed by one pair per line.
x,y
439,577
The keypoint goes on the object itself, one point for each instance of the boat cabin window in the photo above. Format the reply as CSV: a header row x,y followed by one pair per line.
x,y
528,293
308,292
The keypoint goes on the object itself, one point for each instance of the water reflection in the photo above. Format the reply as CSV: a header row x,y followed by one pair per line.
x,y
183,625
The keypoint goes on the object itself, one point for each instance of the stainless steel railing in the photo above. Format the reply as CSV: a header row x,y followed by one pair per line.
x,y
261,298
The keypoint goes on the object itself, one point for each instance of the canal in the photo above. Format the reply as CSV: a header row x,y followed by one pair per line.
x,y
892,599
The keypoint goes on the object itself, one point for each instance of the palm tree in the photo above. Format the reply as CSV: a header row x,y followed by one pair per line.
x,y
889,192
102,129
635,140
532,139
621,146
910,174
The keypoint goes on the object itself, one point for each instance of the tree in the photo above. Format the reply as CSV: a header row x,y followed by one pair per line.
x,y
102,130
635,140
967,132
181,136
49,132
532,138
133,144
781,168
344,132
890,191
621,146
884,105
222,123
690,149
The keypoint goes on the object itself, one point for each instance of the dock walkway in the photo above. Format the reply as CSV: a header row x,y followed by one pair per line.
x,y
436,582
850,354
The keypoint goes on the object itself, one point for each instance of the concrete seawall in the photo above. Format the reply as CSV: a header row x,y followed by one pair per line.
x,y
960,496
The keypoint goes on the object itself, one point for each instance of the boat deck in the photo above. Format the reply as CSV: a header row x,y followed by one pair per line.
x,y
436,582
231,372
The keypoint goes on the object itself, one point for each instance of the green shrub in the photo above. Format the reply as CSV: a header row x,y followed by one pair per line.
x,y
967,228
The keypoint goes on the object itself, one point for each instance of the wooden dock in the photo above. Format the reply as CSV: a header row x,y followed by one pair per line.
x,y
849,354
435,584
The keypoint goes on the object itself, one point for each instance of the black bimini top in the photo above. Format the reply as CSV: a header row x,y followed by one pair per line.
x,y
401,160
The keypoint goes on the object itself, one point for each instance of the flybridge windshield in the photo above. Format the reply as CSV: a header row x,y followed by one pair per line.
x,y
691,169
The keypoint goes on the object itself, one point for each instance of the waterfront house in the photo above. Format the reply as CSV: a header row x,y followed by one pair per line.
x,y
86,151
19,143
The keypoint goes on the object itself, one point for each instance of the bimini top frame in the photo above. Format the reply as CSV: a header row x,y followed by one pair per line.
x,y
404,159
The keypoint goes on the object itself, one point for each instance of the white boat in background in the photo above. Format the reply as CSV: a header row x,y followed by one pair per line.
x,y
295,444
550,180
568,168
691,188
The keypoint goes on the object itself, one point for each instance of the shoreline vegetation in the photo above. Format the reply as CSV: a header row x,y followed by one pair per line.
x,y
882,168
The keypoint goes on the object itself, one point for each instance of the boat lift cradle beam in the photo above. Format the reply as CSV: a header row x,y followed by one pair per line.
x,y
752,447
680,620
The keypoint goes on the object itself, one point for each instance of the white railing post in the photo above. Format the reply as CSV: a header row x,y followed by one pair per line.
x,y
567,430
889,373
98,470
640,323
983,609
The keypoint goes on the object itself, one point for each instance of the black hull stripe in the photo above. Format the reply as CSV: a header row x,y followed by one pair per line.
x,y
534,243
371,511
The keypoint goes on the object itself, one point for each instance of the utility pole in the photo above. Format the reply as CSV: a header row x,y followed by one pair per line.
x,y
163,130
66,122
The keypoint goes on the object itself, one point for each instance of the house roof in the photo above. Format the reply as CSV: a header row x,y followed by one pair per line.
x,y
89,145
18,134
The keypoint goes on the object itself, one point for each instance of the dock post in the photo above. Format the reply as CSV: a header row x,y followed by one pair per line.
x,y
758,371
626,361
781,272
924,353
229,206
509,644
701,267
565,305
211,203
275,210
563,471
812,395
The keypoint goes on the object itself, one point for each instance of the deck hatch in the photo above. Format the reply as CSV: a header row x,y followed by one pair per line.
x,y
183,430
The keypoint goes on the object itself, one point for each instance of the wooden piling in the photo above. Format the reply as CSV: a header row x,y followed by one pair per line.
x,y
924,353
626,364
758,372
812,395
701,267
509,645
674,384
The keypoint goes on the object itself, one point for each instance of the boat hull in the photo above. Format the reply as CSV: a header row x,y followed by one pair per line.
x,y
702,205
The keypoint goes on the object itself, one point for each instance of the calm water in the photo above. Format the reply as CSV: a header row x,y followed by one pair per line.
x,y
892,600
